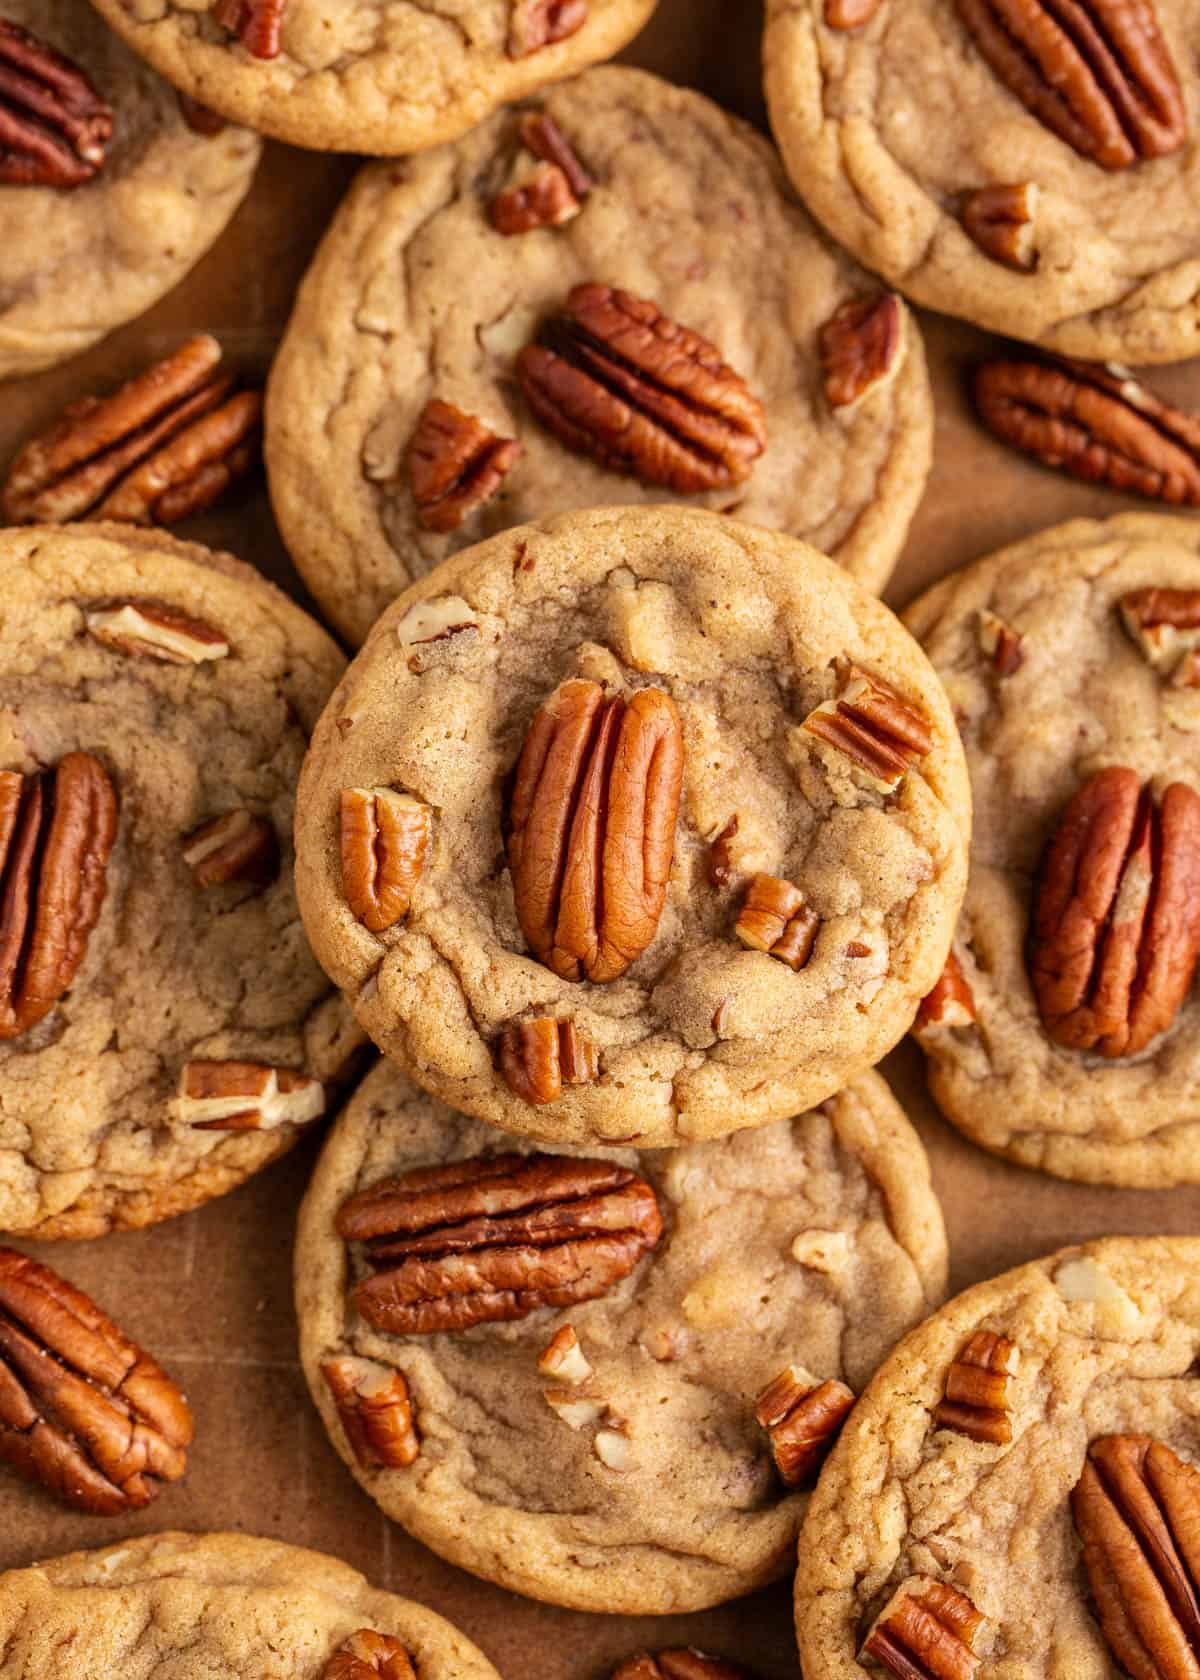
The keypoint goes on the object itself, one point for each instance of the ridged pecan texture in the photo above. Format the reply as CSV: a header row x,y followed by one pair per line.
x,y
928,1631
384,835
455,464
258,24
539,1057
534,24
680,1664
54,126
803,1419
1000,219
368,1655
976,1402
376,1411
950,1004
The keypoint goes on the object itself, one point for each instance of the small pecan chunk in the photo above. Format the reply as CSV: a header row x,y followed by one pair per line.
x,y
535,24
950,1004
775,917
1116,926
376,1412
435,620
542,200
258,24
54,126
615,379
542,136
875,727
850,14
199,118
153,630
384,839
490,1240
976,1402
541,1057
1165,624
367,1655
455,464
592,827
564,1360
56,833
1003,645
246,1097
802,1418
720,853
1000,219
239,846
680,1664
83,1410
862,348
165,446
928,1631
1097,75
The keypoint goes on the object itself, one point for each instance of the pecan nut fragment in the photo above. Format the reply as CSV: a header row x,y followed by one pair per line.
x,y
239,846
258,24
720,853
542,200
246,1097
56,834
1165,624
491,1240
367,1655
976,1402
1097,74
384,839
455,464
1116,926
1137,1511
592,827
850,14
802,1418
535,24
615,379
1000,219
928,1631
539,1058
153,630
775,917
1004,646
862,348
681,1664
54,126
83,1410
950,1004
541,135
165,446
376,1411
875,727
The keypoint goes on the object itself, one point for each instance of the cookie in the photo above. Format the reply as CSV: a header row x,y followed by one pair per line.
x,y
1037,176
130,218
635,824
1015,1490
218,1607
1067,1034
623,1469
415,408
164,1031
370,78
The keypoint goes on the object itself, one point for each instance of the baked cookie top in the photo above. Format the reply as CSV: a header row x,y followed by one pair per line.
x,y
216,1607
75,263
1075,1046
417,301
376,76
1002,1470
162,1032
632,1476
722,915
1041,184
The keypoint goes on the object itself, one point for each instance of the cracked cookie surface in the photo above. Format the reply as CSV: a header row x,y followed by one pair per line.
x,y
74,265
91,1133
689,208
1108,1337
1082,698
208,1607
744,630
815,1241
888,129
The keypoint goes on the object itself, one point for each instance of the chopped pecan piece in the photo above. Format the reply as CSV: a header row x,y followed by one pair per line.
x,y
875,727
577,1411
384,839
802,1418
376,1412
246,1097
1116,926
775,917
258,24
592,827
535,24
56,833
239,846
367,1655
153,630
928,1631
199,118
1165,624
862,348
83,1410
165,446
680,1664
850,14
490,1240
1000,219
1004,646
976,1402
455,464
435,620
539,1058
615,379
54,126
1097,75
950,1004
543,199
720,860
542,136
564,1359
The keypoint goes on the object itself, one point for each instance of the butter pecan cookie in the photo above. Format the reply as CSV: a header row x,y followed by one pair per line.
x,y
1066,1032
1031,167
636,824
163,1032
607,1382
378,76
606,297
197,1606
1018,1490
109,194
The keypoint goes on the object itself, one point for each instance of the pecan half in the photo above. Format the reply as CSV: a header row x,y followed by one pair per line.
x,y
1165,624
615,379
950,1004
258,24
541,135
976,1402
367,1655
1116,925
56,833
535,24
539,1058
154,630
54,126
83,1410
681,1664
1098,425
862,348
490,1240
165,446
376,1411
1098,75
384,839
455,464
592,827
1137,1511
775,917
927,1631
850,14
875,727
1000,219
239,846
802,1418
1004,646
246,1097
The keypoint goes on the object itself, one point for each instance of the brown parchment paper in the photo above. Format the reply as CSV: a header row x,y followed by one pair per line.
x,y
210,1293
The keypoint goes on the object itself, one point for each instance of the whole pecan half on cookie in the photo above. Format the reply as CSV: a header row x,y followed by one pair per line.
x,y
1116,925
83,1410
928,1630
367,1655
616,379
492,1239
54,126
862,348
